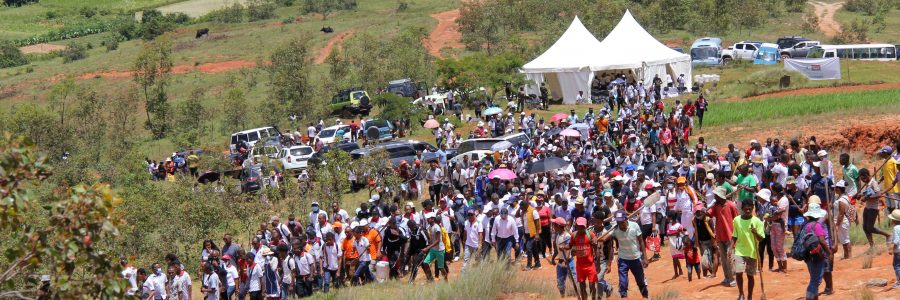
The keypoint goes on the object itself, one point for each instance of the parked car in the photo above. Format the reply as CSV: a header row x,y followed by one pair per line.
x,y
385,128
262,151
486,143
706,52
789,41
350,102
766,55
741,50
251,179
407,88
800,49
399,151
251,136
318,158
473,156
295,158
329,135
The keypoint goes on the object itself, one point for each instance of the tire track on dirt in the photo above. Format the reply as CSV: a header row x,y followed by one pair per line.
x,y
332,42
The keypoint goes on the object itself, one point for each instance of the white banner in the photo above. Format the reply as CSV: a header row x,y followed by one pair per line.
x,y
815,68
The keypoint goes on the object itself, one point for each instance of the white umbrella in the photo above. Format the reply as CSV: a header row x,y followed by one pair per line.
x,y
500,146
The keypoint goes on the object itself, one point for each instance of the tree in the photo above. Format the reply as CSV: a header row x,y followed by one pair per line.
x,y
394,107
376,60
189,116
289,77
151,72
233,114
121,117
329,181
60,97
325,7
61,234
481,70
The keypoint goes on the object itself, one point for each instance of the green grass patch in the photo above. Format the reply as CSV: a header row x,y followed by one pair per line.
x,y
488,280
798,106
48,15
889,34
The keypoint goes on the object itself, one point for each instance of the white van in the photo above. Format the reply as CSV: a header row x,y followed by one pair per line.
x,y
252,136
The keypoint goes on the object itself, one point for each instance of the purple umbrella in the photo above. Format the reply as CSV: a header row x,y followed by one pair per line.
x,y
570,132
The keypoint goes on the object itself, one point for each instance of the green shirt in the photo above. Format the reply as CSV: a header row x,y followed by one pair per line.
x,y
746,242
727,186
749,181
851,175
629,241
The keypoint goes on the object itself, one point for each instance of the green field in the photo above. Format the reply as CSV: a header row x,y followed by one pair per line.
x,y
889,34
47,15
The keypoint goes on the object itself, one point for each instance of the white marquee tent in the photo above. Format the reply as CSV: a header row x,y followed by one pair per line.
x,y
571,63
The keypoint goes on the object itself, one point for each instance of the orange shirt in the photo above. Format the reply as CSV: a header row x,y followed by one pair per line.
x,y
374,243
348,249
602,124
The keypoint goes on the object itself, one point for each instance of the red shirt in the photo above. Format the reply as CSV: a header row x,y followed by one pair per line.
x,y
691,256
242,266
724,215
544,213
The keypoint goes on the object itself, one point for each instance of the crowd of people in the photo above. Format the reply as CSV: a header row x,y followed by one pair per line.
x,y
631,180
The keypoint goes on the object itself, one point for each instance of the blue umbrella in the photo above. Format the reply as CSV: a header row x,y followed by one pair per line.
x,y
492,111
618,81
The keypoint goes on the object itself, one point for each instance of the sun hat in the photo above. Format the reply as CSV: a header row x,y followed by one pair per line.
x,y
765,194
840,184
410,204
264,251
581,221
579,200
642,194
710,176
814,200
822,153
354,224
559,221
815,210
720,192
895,215
680,180
754,142
620,216
791,180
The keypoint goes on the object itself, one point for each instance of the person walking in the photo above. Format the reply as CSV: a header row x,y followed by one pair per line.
x,y
582,250
870,194
631,253
473,235
815,260
562,256
723,214
748,231
778,229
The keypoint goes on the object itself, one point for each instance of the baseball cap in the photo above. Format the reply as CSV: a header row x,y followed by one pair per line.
x,y
791,180
429,215
337,224
226,257
642,194
581,221
315,203
620,216
681,179
822,153
886,150
710,176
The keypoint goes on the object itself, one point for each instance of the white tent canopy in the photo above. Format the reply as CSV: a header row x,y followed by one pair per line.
x,y
570,64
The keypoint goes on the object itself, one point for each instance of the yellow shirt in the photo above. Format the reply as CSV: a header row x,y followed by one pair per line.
x,y
890,172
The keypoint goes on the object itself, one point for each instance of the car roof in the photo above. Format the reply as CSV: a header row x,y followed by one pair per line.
x,y
399,81
251,130
335,127
298,147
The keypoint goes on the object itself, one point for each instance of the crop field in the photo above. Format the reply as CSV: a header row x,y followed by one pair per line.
x,y
48,15
196,8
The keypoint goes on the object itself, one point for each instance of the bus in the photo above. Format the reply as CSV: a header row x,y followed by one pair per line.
x,y
879,52
706,52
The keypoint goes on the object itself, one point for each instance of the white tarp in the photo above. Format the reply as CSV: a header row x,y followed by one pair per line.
x,y
572,62
815,68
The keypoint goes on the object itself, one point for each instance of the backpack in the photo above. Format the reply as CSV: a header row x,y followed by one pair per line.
x,y
851,211
446,237
806,246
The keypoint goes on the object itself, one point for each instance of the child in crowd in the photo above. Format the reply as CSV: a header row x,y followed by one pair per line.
x,y
675,232
691,257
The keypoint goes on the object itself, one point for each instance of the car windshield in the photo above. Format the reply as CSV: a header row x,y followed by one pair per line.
x,y
765,55
815,53
704,53
327,133
301,151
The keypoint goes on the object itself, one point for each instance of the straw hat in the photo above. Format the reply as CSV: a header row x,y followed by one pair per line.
x,y
765,194
895,215
264,251
814,200
720,192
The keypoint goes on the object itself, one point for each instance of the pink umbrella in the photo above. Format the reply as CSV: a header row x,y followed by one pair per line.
x,y
558,117
432,123
570,132
503,174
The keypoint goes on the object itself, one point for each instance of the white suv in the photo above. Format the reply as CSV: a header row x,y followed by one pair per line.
x,y
740,50
295,157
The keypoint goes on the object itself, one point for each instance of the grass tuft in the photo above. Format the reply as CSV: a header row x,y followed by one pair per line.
x,y
667,293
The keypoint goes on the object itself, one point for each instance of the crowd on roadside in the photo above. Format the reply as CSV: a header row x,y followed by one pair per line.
x,y
586,193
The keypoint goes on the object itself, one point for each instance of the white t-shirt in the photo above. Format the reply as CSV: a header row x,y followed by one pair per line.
x,y
130,274
159,284
473,233
254,276
331,256
186,284
435,228
647,213
286,265
211,281
232,273
304,263
362,247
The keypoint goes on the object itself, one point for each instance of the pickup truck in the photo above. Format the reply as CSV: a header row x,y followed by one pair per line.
x,y
741,50
798,50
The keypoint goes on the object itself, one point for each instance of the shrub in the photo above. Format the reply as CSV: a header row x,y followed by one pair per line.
x,y
52,14
810,22
402,5
285,2
260,9
868,7
73,52
229,14
112,41
11,56
88,12
18,3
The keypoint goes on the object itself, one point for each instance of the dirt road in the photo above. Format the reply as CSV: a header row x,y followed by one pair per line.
x,y
446,34
42,48
332,42
825,12
209,68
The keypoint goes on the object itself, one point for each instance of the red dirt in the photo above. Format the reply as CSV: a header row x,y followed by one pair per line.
x,y
868,138
209,68
824,90
825,12
325,51
446,34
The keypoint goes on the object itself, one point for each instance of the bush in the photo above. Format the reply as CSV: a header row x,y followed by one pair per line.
x,y
260,9
11,56
285,2
229,14
18,3
402,5
868,7
73,52
72,31
112,41
52,14
810,22
88,12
